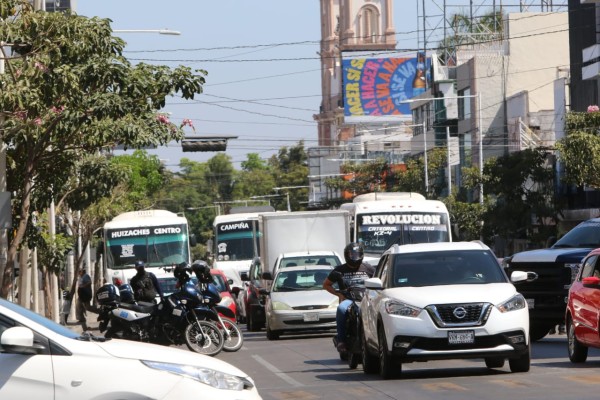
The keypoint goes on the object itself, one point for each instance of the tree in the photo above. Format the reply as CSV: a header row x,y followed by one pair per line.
x,y
68,91
580,149
522,187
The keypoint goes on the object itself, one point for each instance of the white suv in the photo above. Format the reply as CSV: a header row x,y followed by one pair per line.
x,y
435,301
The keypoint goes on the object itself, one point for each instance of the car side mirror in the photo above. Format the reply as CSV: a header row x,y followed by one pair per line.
x,y
591,282
244,277
19,340
267,276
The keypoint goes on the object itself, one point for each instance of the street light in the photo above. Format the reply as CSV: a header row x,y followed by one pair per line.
x,y
479,128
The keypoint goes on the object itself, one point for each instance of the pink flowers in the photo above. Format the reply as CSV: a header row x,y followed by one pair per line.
x,y
163,119
57,110
187,122
593,108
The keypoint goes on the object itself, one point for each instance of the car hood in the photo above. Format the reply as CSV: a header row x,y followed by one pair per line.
x,y
151,352
551,255
421,297
303,297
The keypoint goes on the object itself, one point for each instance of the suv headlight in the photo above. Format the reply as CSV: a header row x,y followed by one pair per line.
x,y
402,309
517,302
211,377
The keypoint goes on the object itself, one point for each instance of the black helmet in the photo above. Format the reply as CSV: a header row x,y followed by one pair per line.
x,y
202,271
354,254
182,272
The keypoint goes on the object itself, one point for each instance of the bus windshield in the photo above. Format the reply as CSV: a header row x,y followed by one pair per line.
x,y
379,231
236,241
156,246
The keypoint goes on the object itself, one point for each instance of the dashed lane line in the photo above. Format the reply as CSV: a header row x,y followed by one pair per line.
x,y
276,371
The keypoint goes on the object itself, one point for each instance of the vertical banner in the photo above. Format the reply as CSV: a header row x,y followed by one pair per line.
x,y
378,87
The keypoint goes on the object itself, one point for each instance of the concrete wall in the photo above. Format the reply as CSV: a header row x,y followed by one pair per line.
x,y
538,44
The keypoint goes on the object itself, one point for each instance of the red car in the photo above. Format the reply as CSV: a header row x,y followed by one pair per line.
x,y
222,283
582,318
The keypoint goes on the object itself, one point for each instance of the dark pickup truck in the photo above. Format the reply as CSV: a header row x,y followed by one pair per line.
x,y
556,267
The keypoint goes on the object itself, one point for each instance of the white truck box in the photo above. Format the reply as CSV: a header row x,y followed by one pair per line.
x,y
302,231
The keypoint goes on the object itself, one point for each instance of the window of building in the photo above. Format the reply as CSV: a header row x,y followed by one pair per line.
x,y
464,104
369,24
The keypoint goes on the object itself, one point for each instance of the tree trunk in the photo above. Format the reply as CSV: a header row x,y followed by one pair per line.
x,y
7,281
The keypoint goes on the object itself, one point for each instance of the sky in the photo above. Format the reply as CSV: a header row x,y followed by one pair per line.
x,y
263,83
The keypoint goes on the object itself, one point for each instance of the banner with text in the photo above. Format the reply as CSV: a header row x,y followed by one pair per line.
x,y
375,89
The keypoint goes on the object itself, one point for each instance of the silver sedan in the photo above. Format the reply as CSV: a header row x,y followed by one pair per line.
x,y
297,302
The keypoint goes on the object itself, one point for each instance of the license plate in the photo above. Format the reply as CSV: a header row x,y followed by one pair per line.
x,y
312,317
530,303
461,337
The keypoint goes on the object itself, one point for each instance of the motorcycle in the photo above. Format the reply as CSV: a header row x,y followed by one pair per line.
x,y
221,316
353,353
172,321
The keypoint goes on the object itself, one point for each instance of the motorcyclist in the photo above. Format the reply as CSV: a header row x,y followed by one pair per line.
x,y
354,272
144,284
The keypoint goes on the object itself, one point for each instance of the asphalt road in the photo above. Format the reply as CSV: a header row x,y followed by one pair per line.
x,y
307,367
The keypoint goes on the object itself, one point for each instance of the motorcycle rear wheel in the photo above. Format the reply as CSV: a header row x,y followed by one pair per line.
x,y
204,337
233,338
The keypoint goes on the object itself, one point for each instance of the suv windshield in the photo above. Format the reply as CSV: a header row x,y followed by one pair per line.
x,y
453,267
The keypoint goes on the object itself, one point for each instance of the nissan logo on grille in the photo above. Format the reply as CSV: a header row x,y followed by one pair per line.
x,y
459,312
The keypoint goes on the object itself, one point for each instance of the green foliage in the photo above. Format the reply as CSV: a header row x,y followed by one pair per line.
x,y
146,175
68,92
521,185
413,179
580,149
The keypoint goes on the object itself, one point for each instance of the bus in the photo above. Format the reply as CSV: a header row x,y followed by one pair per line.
x,y
236,241
379,220
160,238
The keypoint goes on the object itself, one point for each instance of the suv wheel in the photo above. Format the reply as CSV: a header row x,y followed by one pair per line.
x,y
522,363
386,365
577,352
494,362
271,334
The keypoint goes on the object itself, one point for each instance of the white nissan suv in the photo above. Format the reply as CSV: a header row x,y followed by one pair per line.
x,y
435,301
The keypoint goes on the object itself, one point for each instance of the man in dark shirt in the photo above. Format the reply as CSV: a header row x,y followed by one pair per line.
x,y
354,272
144,284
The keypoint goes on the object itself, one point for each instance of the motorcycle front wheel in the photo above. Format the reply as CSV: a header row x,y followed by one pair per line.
x,y
204,337
231,334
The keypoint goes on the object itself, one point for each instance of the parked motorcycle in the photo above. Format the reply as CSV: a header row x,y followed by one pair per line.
x,y
173,321
221,316
353,340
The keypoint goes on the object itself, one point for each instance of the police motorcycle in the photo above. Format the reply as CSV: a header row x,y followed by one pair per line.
x,y
353,353
172,321
220,315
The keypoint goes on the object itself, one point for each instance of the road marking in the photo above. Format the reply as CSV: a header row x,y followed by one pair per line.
x,y
443,386
277,372
587,379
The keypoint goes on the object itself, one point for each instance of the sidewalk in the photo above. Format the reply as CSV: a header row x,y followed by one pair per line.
x,y
92,324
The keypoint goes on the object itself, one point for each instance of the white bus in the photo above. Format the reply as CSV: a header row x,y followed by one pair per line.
x,y
379,220
236,241
160,238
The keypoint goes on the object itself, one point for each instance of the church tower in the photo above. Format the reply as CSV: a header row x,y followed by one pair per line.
x,y
347,25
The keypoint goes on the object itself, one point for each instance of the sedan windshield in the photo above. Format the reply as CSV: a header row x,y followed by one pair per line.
x,y
453,267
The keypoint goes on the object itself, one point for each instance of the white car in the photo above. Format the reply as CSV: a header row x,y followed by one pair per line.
x,y
297,302
41,360
436,301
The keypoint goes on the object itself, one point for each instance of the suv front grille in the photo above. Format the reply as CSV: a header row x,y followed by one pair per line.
x,y
454,315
